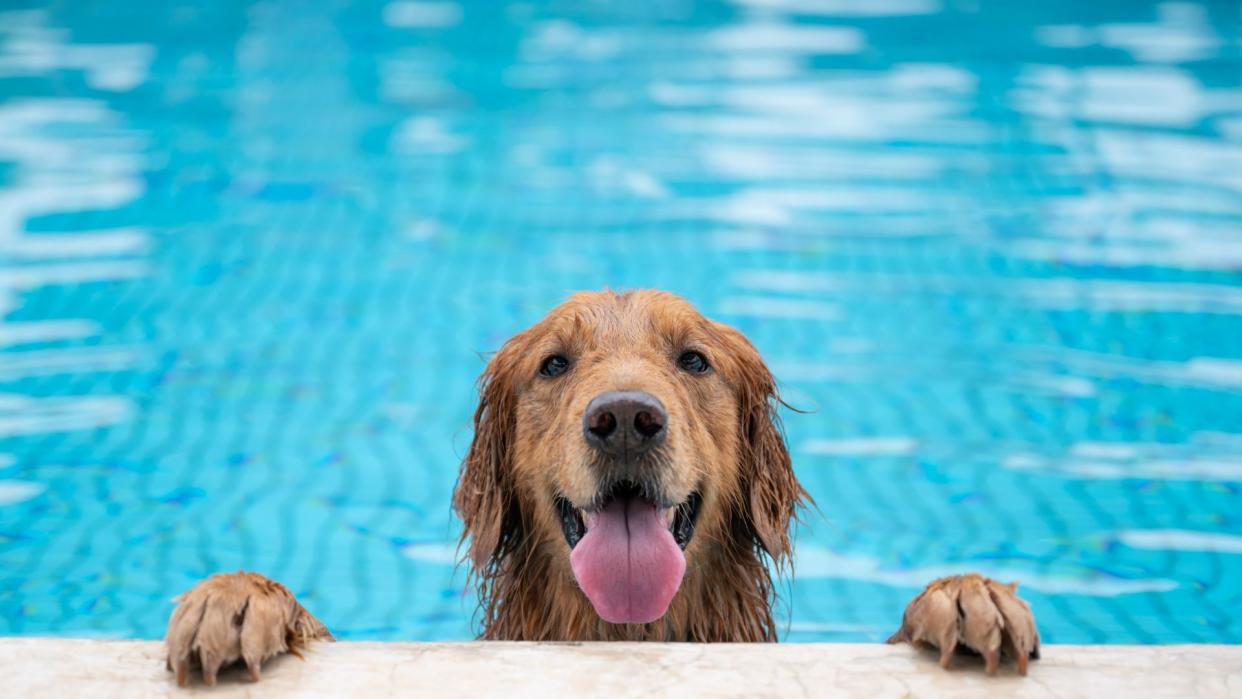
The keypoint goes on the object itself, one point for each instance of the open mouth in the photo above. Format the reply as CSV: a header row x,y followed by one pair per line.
x,y
627,551
681,518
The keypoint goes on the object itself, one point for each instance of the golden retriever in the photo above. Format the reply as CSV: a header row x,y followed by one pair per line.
x,y
627,480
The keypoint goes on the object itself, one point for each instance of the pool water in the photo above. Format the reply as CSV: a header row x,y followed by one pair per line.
x,y
252,258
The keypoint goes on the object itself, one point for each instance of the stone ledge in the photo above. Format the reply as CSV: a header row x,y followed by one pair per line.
x,y
80,669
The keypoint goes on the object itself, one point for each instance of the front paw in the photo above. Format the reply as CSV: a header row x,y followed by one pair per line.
x,y
977,612
236,616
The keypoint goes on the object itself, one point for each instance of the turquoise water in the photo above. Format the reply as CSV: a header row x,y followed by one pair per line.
x,y
251,256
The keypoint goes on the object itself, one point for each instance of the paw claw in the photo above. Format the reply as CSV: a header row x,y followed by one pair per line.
x,y
211,667
946,656
231,617
992,660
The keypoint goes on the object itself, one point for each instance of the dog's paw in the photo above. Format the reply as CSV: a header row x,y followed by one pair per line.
x,y
236,616
977,612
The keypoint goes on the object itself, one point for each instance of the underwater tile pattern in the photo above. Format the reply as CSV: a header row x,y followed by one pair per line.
x,y
253,255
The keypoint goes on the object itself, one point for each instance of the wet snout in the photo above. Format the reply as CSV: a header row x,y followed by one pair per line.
x,y
624,424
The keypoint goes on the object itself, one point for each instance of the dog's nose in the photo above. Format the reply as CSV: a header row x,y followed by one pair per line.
x,y
624,423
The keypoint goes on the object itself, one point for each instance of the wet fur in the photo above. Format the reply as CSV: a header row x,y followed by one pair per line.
x,y
724,440
725,436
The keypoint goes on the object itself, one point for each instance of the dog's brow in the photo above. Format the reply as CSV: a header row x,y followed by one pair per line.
x,y
570,335
683,331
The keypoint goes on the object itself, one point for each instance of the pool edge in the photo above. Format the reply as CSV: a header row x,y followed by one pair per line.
x,y
41,666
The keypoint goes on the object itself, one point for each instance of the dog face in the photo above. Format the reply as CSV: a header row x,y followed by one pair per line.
x,y
626,437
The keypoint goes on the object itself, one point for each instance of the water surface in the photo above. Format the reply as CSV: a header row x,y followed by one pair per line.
x,y
251,254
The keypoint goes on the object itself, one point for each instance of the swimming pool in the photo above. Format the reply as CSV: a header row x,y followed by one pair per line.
x,y
250,255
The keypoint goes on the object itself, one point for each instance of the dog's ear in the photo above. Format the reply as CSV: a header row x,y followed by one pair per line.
x,y
771,489
484,498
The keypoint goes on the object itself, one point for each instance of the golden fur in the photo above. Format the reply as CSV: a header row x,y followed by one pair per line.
x,y
723,441
724,437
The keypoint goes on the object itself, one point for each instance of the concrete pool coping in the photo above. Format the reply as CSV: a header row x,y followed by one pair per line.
x,y
81,668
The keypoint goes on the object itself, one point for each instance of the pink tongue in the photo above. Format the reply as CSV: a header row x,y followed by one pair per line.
x,y
628,564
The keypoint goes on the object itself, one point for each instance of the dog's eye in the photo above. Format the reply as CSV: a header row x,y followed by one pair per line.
x,y
693,362
554,366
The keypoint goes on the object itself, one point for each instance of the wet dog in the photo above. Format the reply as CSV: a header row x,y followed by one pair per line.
x,y
627,480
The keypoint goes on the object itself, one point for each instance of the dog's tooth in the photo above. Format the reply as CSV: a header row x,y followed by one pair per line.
x,y
669,515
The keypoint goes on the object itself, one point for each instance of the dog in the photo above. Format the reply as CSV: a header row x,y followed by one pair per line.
x,y
628,480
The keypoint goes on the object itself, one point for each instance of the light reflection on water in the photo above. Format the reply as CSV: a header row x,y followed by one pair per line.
x,y
249,253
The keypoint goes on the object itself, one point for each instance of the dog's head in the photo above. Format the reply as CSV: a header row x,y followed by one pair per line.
x,y
629,437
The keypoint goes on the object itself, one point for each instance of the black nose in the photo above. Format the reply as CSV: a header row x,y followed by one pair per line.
x,y
624,423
